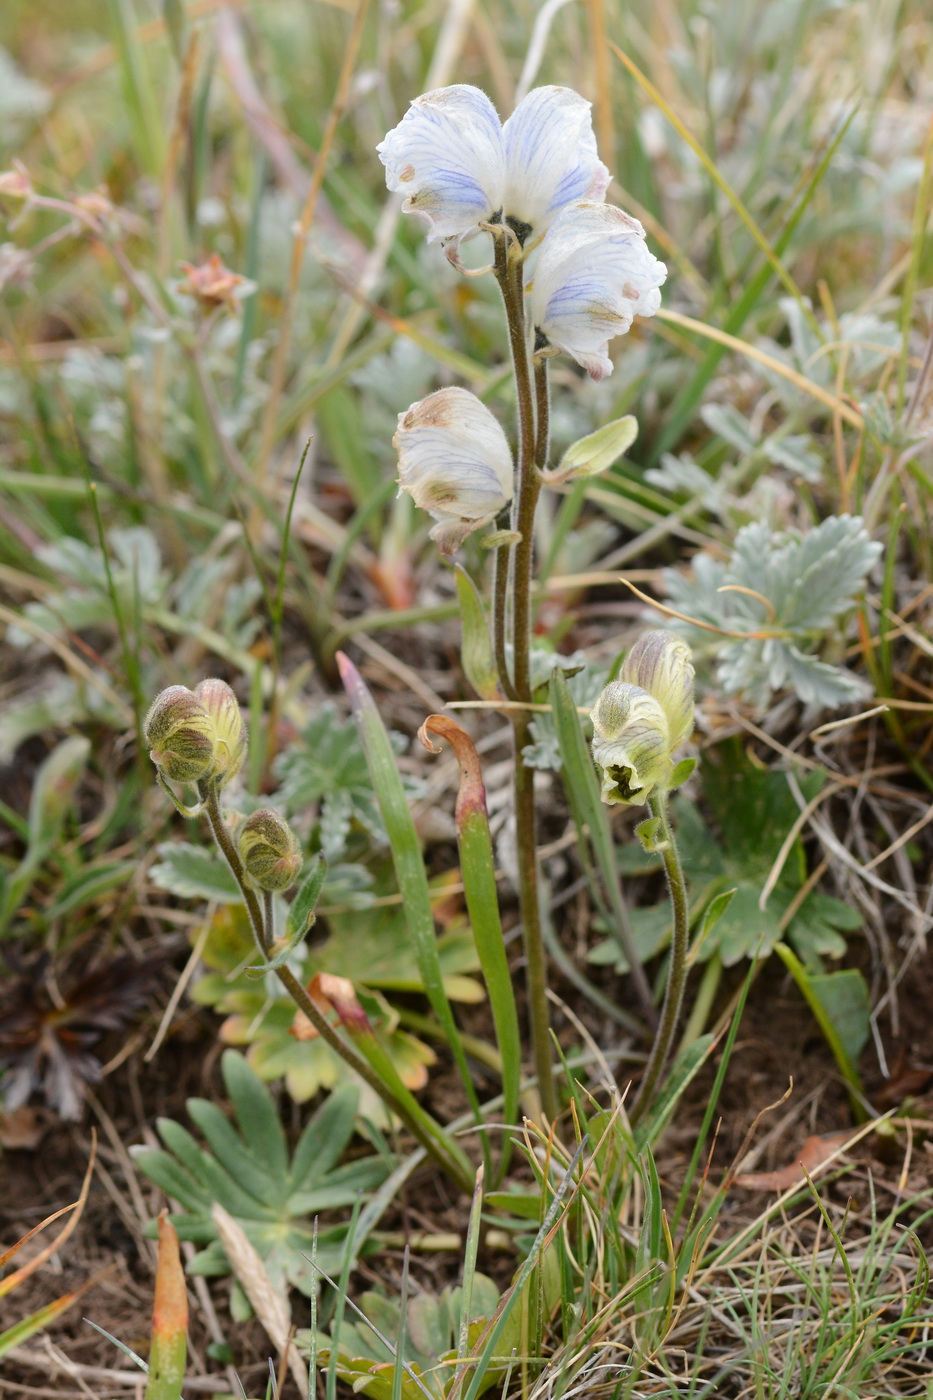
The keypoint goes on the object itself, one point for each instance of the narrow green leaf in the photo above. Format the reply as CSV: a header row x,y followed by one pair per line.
x,y
256,1112
303,905
839,1001
591,820
478,867
476,654
684,1070
407,860
169,1320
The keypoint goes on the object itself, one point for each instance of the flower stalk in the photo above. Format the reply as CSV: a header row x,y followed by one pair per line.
x,y
510,276
422,1127
677,970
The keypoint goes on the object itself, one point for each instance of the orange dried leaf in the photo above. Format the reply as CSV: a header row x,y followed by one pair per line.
x,y
815,1151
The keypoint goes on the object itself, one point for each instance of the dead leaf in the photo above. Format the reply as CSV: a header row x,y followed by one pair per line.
x,y
815,1151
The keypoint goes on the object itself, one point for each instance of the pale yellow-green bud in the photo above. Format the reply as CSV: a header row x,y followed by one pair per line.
x,y
660,663
269,850
631,743
180,735
595,453
229,730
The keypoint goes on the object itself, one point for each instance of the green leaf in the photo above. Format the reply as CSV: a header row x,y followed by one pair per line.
x,y
246,1168
408,862
302,907
257,1115
476,654
840,1003
844,997
194,872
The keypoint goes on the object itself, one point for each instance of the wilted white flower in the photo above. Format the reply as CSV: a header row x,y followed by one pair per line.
x,y
640,719
594,274
460,167
454,461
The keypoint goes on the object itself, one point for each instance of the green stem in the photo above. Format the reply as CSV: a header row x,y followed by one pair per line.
x,y
510,276
677,972
431,1136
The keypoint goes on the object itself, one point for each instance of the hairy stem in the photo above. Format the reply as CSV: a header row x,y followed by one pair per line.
x,y
500,618
677,973
261,925
509,274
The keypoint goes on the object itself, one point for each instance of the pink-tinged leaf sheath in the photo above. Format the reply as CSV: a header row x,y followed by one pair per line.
x,y
477,865
169,1319
594,274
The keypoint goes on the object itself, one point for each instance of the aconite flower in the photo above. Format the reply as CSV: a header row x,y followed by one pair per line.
x,y
460,167
642,718
594,274
454,461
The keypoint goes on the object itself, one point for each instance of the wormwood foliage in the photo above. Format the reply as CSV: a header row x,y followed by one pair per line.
x,y
781,592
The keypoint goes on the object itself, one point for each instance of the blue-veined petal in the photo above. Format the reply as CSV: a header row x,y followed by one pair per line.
x,y
594,274
446,155
455,463
551,160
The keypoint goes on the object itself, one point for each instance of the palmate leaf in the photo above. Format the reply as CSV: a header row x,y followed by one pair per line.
x,y
369,948
245,1166
753,810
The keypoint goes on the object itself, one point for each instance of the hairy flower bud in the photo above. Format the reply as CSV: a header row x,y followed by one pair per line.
x,y
631,743
269,850
180,735
229,730
660,663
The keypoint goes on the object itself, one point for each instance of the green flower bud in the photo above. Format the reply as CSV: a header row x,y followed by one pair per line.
x,y
595,453
229,730
660,663
180,735
631,743
269,850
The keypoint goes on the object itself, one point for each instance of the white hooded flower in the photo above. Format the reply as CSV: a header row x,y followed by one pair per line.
x,y
454,461
594,274
643,717
662,664
631,743
460,167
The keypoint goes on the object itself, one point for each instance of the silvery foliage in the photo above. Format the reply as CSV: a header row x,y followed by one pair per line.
x,y
809,581
585,681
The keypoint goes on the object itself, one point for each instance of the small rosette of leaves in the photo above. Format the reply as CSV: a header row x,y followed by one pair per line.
x,y
784,592
246,1168
426,1341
